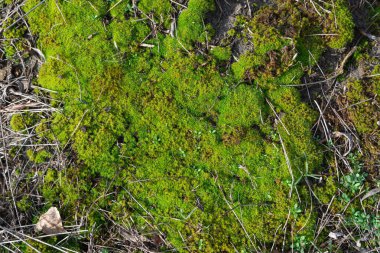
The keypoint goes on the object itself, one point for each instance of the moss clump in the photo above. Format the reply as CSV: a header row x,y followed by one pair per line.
x,y
282,43
21,122
341,25
17,123
280,49
221,53
243,107
24,204
191,26
39,156
361,103
169,134
13,34
161,8
328,189
59,188
363,111
127,34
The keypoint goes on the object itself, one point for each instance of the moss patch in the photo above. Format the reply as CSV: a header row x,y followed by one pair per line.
x,y
163,138
361,102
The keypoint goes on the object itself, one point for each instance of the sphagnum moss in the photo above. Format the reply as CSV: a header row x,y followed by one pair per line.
x,y
209,160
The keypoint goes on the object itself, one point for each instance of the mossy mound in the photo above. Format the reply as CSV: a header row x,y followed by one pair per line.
x,y
214,161
361,103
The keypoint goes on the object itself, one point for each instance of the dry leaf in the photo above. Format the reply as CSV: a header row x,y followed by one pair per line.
x,y
335,235
50,222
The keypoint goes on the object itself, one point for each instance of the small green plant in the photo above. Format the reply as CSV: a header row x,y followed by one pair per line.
x,y
366,223
296,210
361,219
354,180
300,244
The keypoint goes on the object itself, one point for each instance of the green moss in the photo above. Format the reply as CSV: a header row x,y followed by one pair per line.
x,y
326,192
13,33
361,100
191,25
39,156
362,110
24,204
280,51
243,107
128,34
362,95
65,189
246,66
121,9
21,122
159,7
17,123
163,125
341,24
221,53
